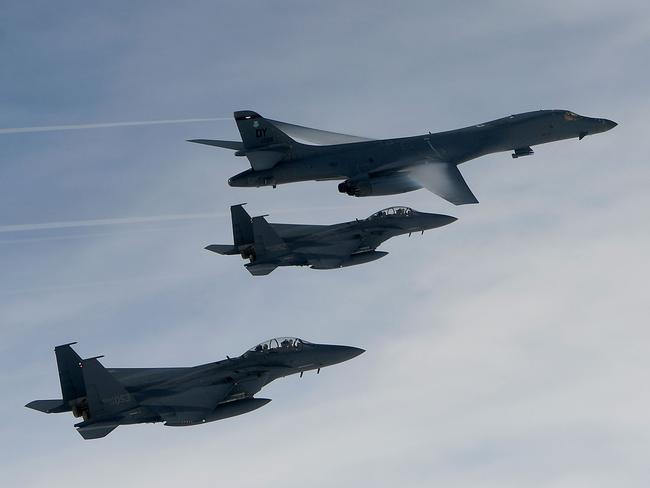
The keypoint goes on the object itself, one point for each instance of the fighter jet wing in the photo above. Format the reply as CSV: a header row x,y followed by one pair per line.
x,y
333,249
445,180
189,405
328,254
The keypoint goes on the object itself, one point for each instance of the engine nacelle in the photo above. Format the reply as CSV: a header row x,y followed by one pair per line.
x,y
378,185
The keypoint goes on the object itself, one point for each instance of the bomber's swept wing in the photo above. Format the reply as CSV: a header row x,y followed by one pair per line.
x,y
316,136
445,180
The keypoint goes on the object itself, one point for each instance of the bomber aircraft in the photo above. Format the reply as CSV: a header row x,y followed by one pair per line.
x,y
109,397
270,245
390,166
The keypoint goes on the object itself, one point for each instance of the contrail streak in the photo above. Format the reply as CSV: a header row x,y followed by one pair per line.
x,y
116,221
140,220
49,128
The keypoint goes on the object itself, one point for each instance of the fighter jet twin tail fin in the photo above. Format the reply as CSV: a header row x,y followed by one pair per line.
x,y
71,379
87,381
107,400
253,232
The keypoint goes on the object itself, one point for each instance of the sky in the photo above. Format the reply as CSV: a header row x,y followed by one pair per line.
x,y
508,349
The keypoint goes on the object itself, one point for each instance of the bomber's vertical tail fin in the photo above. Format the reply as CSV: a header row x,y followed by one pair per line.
x,y
257,132
264,143
70,375
106,395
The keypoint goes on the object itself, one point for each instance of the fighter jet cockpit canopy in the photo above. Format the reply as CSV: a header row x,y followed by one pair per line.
x,y
400,211
278,344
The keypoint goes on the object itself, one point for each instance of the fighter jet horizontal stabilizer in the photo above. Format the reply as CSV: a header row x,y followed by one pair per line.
x,y
224,249
48,406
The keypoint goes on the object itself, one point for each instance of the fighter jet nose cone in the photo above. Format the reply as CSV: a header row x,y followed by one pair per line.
x,y
339,354
437,220
357,351
450,219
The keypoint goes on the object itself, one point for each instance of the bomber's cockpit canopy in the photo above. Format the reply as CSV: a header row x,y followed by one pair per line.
x,y
570,116
401,211
279,344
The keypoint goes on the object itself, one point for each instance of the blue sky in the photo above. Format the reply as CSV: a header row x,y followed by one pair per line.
x,y
507,349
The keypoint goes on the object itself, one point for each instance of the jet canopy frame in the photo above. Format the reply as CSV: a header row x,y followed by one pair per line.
x,y
400,211
279,344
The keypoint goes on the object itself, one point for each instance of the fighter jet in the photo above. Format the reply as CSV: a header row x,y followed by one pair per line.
x,y
390,166
109,397
268,245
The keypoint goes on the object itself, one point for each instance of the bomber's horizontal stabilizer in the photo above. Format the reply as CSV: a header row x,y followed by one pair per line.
x,y
445,180
225,249
49,406
234,145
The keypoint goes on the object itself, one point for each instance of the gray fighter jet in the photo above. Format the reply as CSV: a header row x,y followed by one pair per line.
x,y
390,166
109,397
270,245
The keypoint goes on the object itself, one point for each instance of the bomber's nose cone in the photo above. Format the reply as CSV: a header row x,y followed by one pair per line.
x,y
610,124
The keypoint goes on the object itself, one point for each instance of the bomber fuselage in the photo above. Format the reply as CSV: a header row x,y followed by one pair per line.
x,y
341,161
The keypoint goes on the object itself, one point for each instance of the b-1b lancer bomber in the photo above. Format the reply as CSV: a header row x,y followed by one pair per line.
x,y
390,166
270,245
109,397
